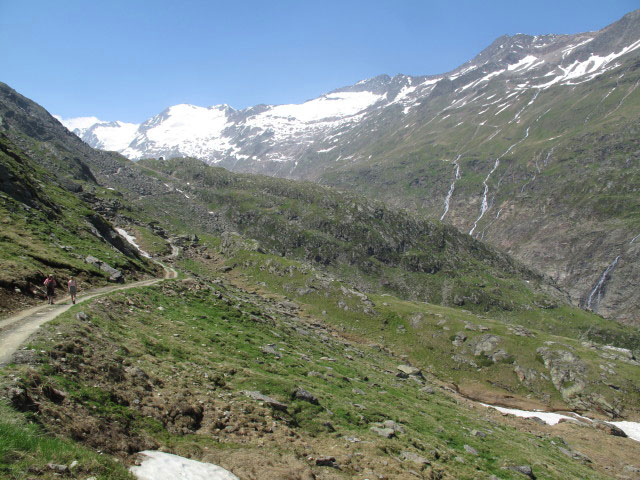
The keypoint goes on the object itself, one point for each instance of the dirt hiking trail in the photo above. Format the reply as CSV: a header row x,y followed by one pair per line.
x,y
16,329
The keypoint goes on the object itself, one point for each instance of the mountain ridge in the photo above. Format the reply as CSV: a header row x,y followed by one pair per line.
x,y
503,147
621,34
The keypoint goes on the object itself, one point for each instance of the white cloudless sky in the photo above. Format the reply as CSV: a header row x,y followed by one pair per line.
x,y
128,60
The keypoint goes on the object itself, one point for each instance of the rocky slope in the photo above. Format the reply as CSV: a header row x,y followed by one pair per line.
x,y
532,146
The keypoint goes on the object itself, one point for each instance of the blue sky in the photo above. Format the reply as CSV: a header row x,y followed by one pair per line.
x,y
128,60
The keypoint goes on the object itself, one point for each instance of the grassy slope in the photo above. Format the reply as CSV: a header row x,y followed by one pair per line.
x,y
424,331
46,228
205,346
362,240
26,451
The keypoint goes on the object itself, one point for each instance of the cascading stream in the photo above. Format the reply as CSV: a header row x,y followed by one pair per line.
x,y
452,187
597,290
485,204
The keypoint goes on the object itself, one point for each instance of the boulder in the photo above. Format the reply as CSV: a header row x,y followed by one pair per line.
x,y
384,432
409,370
272,402
485,344
609,428
459,339
524,470
415,458
301,394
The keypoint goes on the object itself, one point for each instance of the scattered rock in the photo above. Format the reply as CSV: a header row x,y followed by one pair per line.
x,y
524,470
384,432
485,344
575,455
409,370
301,394
326,462
525,375
501,356
21,400
272,402
415,458
82,317
609,428
520,331
114,274
470,450
25,357
416,320
568,372
55,467
631,469
270,349
428,389
459,339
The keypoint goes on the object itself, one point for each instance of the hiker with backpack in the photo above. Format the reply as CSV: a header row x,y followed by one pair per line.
x,y
50,284
73,289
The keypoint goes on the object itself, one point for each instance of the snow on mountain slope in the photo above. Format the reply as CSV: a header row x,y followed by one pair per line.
x,y
220,131
251,139
78,123
111,136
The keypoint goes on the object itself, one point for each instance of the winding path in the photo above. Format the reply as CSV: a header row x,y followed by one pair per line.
x,y
16,329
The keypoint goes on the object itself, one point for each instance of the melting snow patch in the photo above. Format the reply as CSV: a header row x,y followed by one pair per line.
x,y
132,240
165,466
526,63
549,418
632,429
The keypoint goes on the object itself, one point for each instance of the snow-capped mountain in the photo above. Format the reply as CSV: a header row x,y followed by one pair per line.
x,y
288,133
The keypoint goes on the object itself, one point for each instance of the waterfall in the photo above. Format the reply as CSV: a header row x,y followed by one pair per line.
x,y
485,205
597,290
452,187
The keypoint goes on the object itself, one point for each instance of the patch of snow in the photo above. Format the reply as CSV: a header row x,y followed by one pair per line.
x,y
132,240
113,136
549,418
325,150
524,64
165,466
632,429
571,48
589,68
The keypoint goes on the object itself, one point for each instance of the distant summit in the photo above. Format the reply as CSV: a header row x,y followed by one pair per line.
x,y
256,137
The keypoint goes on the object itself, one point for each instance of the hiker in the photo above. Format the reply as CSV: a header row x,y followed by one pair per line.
x,y
73,289
50,283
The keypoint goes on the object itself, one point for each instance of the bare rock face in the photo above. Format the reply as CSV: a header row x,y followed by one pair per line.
x,y
568,372
114,274
486,344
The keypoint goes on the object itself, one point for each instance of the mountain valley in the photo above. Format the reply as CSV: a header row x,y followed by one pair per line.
x,y
409,278
531,146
